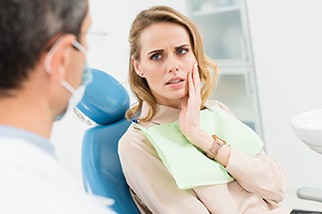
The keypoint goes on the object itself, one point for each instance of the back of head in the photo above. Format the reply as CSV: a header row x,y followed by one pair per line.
x,y
27,29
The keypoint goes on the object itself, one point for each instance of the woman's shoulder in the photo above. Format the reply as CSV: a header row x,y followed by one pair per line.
x,y
132,133
133,139
212,103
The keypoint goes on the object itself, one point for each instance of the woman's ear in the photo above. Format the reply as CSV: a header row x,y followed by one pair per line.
x,y
136,66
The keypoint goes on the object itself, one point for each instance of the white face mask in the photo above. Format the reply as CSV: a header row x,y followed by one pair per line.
x,y
77,94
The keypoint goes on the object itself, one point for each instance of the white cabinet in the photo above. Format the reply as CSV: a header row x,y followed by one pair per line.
x,y
224,28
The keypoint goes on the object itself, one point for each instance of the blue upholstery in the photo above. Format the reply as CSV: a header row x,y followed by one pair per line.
x,y
105,102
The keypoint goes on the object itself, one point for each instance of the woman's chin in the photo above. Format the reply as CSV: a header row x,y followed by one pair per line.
x,y
178,95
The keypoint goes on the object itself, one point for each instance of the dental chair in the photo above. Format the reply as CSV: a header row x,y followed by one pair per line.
x,y
103,106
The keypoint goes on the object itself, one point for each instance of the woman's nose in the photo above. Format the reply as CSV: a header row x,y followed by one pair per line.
x,y
173,69
173,65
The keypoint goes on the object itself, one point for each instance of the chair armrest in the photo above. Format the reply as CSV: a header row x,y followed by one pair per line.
x,y
310,193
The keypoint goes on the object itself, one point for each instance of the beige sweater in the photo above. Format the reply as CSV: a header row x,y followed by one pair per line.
x,y
260,182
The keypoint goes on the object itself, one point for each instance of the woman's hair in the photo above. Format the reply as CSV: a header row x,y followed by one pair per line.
x,y
26,29
208,70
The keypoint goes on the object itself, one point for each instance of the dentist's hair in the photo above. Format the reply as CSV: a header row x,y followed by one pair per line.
x,y
27,29
208,70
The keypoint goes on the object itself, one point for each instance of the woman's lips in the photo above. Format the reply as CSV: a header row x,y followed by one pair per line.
x,y
176,83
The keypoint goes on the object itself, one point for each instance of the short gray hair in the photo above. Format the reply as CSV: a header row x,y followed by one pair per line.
x,y
26,27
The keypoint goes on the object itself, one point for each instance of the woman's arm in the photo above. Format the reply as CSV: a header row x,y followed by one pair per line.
x,y
150,180
260,174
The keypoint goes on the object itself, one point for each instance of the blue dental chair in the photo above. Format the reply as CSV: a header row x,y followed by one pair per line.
x,y
105,102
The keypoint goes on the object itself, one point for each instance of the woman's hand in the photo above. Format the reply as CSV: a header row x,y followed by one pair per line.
x,y
189,119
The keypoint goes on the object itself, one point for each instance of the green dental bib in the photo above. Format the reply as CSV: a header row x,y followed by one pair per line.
x,y
187,164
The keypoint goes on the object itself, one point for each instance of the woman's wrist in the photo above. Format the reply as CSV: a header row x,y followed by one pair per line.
x,y
205,142
223,155
216,146
200,139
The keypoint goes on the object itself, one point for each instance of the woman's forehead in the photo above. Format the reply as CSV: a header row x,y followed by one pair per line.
x,y
163,34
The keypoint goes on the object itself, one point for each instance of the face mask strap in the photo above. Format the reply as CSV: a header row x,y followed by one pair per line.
x,y
50,55
68,87
80,47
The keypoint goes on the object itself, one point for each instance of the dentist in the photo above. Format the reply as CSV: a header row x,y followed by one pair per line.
x,y
42,73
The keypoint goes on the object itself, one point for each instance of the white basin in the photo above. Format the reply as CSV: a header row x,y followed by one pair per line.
x,y
307,126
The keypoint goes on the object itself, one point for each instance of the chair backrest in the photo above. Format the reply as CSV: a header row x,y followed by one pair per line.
x,y
105,102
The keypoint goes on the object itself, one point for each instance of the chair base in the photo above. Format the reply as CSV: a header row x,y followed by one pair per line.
x,y
304,212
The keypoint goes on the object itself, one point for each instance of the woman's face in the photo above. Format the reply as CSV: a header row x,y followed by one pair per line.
x,y
166,58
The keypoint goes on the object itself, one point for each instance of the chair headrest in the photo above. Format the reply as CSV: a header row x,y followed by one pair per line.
x,y
105,100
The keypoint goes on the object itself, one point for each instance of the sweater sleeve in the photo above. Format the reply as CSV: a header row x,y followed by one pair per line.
x,y
260,174
150,180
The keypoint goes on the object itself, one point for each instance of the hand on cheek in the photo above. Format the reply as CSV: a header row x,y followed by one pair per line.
x,y
189,118
189,121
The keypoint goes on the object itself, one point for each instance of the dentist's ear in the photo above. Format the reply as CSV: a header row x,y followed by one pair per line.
x,y
58,58
136,66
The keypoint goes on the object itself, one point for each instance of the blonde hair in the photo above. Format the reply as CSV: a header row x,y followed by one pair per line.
x,y
139,85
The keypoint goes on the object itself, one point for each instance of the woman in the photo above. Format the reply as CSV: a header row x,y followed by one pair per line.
x,y
172,79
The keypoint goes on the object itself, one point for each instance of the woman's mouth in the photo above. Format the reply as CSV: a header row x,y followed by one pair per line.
x,y
175,82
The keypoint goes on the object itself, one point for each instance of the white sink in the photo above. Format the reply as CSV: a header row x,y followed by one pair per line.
x,y
307,126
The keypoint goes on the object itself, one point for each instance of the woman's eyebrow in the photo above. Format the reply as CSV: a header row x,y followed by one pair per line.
x,y
155,51
182,46
161,50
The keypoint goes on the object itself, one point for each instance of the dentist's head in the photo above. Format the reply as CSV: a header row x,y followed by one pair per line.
x,y
42,60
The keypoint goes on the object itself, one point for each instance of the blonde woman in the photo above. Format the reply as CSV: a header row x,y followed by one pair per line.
x,y
172,79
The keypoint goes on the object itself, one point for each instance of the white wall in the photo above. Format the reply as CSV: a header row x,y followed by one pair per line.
x,y
287,45
108,51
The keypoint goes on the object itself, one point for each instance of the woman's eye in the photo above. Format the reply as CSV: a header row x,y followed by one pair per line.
x,y
156,56
182,51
